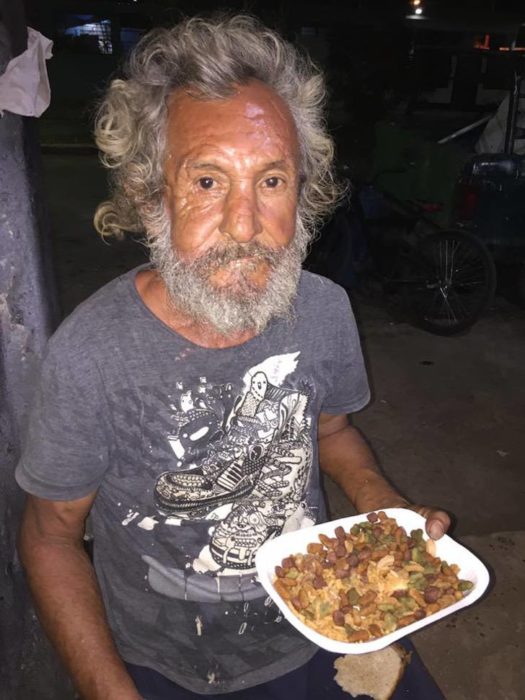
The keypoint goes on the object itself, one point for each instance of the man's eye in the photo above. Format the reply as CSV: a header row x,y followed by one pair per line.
x,y
272,182
206,183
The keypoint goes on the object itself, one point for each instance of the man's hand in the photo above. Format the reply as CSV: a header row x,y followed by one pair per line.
x,y
67,597
437,521
345,456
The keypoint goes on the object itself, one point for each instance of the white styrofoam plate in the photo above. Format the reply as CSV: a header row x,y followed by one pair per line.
x,y
273,552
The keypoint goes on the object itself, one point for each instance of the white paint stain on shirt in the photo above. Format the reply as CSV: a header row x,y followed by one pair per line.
x,y
242,628
129,517
148,523
199,625
173,521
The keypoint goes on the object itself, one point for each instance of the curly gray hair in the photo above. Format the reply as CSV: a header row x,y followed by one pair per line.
x,y
207,58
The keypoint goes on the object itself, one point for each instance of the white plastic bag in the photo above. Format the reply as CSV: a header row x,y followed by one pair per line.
x,y
24,87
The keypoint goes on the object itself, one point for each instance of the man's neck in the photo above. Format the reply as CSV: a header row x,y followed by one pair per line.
x,y
154,294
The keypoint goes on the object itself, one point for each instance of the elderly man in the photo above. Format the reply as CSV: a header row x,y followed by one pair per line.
x,y
188,404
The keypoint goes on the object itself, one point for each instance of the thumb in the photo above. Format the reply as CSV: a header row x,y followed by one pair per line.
x,y
435,528
437,521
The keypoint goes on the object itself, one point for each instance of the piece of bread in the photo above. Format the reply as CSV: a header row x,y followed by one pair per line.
x,y
375,674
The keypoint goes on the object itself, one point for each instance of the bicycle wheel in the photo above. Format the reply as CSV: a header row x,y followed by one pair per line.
x,y
452,283
520,286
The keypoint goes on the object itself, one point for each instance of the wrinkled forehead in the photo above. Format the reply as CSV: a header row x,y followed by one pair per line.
x,y
254,113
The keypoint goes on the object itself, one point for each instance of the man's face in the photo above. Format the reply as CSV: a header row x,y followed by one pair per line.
x,y
232,178
232,183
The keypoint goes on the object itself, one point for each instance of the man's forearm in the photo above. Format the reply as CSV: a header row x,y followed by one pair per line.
x,y
69,605
347,459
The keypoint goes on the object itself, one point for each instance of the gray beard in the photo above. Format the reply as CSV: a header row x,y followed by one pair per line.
x,y
243,306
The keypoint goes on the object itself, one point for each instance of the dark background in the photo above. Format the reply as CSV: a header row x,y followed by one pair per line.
x,y
431,74
378,55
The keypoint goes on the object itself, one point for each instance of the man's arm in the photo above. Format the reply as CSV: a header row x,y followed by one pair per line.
x,y
346,458
68,599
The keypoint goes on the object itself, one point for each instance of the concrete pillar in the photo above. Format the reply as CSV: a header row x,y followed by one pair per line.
x,y
28,313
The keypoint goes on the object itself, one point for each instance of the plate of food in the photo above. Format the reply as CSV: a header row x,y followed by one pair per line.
x,y
357,584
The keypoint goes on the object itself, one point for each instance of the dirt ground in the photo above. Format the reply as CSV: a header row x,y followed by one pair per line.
x,y
446,422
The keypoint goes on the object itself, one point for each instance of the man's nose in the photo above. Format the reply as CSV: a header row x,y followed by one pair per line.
x,y
240,219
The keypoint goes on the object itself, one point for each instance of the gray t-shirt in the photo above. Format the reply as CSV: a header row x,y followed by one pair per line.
x,y
198,456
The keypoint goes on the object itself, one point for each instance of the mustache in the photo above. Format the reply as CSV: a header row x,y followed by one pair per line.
x,y
220,255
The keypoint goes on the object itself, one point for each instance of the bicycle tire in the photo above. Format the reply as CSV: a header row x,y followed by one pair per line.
x,y
520,286
453,282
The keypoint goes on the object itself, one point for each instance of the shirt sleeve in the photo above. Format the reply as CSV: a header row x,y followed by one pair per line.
x,y
65,450
349,390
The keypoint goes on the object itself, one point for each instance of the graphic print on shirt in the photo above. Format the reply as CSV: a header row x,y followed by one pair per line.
x,y
243,470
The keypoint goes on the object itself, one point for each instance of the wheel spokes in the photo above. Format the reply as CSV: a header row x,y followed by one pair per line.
x,y
455,283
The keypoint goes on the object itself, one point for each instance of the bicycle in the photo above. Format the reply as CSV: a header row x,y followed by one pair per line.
x,y
446,279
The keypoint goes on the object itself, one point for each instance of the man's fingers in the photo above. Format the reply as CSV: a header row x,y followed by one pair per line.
x,y
437,521
435,529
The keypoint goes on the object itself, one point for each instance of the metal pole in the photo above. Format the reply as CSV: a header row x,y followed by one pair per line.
x,y
514,101
28,313
466,129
